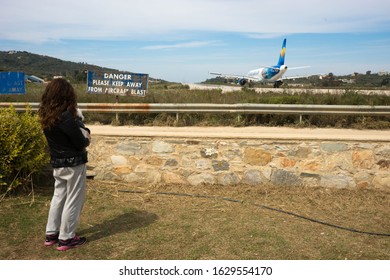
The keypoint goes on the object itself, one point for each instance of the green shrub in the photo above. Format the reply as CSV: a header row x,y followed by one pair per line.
x,y
23,149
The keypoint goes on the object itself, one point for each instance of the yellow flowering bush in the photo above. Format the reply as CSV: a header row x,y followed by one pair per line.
x,y
23,148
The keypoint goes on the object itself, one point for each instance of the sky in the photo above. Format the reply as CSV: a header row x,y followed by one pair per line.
x,y
184,40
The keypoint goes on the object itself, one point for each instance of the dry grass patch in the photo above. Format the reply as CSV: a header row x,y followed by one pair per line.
x,y
152,225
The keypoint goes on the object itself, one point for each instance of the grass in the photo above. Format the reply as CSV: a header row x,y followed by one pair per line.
x,y
148,225
177,93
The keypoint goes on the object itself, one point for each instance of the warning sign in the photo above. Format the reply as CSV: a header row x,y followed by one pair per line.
x,y
118,83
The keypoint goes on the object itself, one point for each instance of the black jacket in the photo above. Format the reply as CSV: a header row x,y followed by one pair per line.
x,y
67,143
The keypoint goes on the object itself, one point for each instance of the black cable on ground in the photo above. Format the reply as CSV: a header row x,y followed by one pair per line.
x,y
264,207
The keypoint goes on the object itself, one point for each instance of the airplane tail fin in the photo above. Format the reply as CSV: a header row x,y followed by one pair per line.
x,y
282,53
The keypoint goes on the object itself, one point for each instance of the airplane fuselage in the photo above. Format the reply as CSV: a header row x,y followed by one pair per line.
x,y
267,74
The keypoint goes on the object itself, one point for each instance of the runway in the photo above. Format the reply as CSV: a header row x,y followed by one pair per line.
x,y
231,88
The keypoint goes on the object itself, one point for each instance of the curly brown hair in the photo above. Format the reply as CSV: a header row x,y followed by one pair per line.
x,y
58,97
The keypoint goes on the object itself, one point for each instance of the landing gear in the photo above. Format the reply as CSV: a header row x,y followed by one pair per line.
x,y
277,84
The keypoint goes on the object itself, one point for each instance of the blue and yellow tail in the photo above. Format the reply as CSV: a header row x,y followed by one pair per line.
x,y
282,53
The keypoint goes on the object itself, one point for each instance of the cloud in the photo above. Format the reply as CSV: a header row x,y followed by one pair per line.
x,y
186,45
265,35
42,20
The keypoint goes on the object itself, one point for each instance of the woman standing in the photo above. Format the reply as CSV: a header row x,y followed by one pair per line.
x,y
68,157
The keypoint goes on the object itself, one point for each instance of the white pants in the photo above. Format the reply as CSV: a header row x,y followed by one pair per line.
x,y
67,202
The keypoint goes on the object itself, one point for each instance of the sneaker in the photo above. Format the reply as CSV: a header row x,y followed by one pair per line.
x,y
74,242
51,239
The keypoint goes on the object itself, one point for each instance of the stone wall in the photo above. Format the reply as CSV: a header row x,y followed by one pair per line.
x,y
183,161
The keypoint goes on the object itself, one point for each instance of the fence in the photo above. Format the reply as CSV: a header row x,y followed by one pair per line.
x,y
294,109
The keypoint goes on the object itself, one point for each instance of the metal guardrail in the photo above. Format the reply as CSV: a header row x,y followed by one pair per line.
x,y
293,109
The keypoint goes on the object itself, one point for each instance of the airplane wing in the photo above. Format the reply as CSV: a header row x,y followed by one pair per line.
x,y
227,76
299,67
296,77
233,76
293,77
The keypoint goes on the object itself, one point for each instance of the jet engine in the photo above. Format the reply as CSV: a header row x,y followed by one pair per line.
x,y
241,82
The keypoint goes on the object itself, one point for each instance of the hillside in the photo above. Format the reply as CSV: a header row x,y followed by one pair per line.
x,y
44,66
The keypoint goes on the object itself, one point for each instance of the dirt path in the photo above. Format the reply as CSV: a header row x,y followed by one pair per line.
x,y
245,132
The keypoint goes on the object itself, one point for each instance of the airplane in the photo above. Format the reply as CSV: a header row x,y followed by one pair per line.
x,y
265,74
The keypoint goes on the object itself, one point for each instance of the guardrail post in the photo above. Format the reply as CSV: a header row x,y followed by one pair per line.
x,y
116,115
